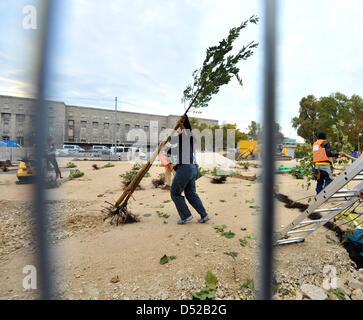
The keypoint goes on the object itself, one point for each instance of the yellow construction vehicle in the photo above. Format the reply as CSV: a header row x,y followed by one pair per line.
x,y
26,171
248,148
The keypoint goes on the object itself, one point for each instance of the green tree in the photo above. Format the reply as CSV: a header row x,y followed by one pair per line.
x,y
354,129
239,135
254,130
337,115
307,121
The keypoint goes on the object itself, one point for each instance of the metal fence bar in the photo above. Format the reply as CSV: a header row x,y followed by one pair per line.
x,y
269,149
40,214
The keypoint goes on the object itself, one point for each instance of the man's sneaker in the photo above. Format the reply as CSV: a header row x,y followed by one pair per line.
x,y
182,221
203,219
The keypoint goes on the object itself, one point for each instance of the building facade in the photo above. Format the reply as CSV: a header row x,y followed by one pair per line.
x,y
85,126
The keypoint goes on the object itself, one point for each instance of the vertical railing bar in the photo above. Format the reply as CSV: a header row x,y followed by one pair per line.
x,y
40,213
269,149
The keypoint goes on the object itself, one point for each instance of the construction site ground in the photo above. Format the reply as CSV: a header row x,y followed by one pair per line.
x,y
95,260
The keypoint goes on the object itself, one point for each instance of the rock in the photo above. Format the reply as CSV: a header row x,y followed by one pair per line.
x,y
355,284
299,295
360,274
357,294
341,284
332,296
313,292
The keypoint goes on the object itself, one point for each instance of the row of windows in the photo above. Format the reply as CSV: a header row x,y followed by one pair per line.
x,y
106,125
5,117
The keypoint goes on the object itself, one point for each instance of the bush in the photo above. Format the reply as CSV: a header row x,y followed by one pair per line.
x,y
71,165
109,165
128,176
303,150
76,174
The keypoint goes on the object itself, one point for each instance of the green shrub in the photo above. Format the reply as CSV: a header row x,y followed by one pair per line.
x,y
76,173
71,165
109,165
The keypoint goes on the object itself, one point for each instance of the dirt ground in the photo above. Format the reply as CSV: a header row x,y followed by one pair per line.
x,y
96,260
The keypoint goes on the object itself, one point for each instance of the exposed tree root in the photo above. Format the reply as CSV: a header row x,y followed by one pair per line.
x,y
159,182
120,215
219,180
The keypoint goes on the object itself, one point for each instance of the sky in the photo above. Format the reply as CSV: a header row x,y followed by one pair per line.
x,y
144,52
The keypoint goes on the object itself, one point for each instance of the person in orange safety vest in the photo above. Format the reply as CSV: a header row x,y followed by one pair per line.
x,y
322,159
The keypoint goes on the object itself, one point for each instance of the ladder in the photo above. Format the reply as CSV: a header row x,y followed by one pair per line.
x,y
301,227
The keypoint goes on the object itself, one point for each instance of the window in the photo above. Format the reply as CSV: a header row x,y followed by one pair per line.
x,y
20,117
163,128
137,126
146,128
127,127
83,124
95,125
106,125
5,117
70,130
20,141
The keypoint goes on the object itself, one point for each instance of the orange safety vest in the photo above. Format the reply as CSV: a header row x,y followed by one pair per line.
x,y
319,153
163,159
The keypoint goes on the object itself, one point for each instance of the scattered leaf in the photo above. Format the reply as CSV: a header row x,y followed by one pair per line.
x,y
211,280
229,234
232,254
115,279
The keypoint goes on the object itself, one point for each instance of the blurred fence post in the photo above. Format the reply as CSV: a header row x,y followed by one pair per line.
x,y
40,214
269,149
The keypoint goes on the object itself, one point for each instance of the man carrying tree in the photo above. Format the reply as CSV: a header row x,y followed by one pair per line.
x,y
323,163
186,174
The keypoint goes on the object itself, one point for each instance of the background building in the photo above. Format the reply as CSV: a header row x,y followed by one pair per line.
x,y
84,126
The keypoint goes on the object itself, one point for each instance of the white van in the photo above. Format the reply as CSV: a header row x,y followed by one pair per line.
x,y
100,149
135,152
66,148
119,150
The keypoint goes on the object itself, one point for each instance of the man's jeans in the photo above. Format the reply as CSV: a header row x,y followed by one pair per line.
x,y
184,180
326,176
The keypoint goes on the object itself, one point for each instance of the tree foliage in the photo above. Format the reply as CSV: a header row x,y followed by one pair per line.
x,y
218,68
340,117
254,130
239,135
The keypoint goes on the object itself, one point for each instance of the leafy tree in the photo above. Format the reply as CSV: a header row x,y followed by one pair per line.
x,y
218,68
239,135
254,130
339,116
307,121
354,128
